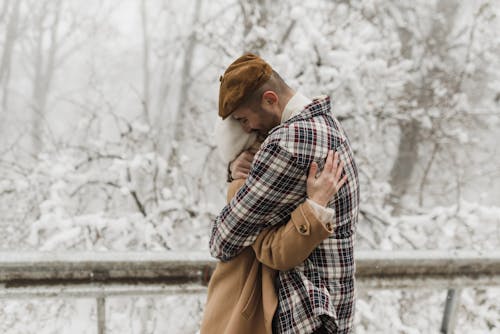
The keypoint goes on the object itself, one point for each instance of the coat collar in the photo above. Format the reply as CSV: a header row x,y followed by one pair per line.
x,y
294,106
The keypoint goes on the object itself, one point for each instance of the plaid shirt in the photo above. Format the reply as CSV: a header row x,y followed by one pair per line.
x,y
320,291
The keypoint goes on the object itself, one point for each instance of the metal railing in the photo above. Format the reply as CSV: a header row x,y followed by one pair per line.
x,y
106,274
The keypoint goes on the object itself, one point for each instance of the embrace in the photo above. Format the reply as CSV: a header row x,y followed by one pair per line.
x,y
285,239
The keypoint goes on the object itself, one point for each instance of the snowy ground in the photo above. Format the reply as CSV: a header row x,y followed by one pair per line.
x,y
387,311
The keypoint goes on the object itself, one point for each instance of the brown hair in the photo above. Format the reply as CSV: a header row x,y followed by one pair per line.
x,y
275,83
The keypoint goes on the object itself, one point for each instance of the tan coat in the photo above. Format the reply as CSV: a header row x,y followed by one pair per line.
x,y
241,294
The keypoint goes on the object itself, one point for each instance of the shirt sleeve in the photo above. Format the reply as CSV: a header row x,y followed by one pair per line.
x,y
273,189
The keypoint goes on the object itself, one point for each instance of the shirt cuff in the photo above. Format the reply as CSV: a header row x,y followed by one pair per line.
x,y
323,214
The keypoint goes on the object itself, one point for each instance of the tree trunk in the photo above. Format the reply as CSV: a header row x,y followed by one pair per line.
x,y
402,169
259,8
185,78
407,155
145,61
44,71
11,32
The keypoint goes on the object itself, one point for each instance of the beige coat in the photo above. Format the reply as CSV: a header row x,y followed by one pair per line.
x,y
241,295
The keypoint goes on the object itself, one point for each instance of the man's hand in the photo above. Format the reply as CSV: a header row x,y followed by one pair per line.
x,y
240,167
321,188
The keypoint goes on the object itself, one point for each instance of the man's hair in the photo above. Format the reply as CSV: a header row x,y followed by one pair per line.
x,y
275,83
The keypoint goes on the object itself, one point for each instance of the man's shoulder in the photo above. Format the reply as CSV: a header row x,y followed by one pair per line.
x,y
306,139
317,116
299,130
309,135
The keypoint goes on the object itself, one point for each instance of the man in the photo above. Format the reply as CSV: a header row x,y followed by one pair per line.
x,y
318,295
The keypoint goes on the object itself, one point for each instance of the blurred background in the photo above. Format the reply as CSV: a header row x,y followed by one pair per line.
x,y
107,113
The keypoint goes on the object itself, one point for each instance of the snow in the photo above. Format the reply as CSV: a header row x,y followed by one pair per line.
x,y
104,148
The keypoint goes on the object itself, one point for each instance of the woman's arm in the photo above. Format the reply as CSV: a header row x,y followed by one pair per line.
x,y
286,246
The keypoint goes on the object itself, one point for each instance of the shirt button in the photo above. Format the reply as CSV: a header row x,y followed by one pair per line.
x,y
302,228
329,226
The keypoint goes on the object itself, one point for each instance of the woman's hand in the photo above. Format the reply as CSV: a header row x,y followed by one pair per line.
x,y
240,167
322,188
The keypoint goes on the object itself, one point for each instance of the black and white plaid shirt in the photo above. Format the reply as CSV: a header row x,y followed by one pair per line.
x,y
321,290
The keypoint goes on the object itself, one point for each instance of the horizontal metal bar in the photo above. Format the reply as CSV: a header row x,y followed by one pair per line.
x,y
96,290
430,282
100,291
442,262
86,267
382,269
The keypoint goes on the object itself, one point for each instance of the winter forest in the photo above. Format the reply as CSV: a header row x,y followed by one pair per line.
x,y
107,113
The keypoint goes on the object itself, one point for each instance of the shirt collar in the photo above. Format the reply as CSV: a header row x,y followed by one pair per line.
x,y
294,106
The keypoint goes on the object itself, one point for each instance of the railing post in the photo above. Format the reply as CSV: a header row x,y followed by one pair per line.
x,y
450,311
101,315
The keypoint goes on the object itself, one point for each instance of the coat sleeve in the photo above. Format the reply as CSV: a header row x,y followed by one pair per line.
x,y
274,187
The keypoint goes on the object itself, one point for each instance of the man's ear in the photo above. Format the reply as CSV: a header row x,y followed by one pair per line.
x,y
269,97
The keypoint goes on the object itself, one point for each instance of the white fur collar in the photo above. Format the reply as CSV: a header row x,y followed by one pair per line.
x,y
231,140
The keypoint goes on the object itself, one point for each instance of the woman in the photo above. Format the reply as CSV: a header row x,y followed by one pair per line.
x,y
241,294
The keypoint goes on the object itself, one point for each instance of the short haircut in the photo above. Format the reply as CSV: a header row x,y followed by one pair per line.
x,y
275,83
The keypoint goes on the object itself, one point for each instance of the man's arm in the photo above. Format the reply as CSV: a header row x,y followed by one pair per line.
x,y
274,187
